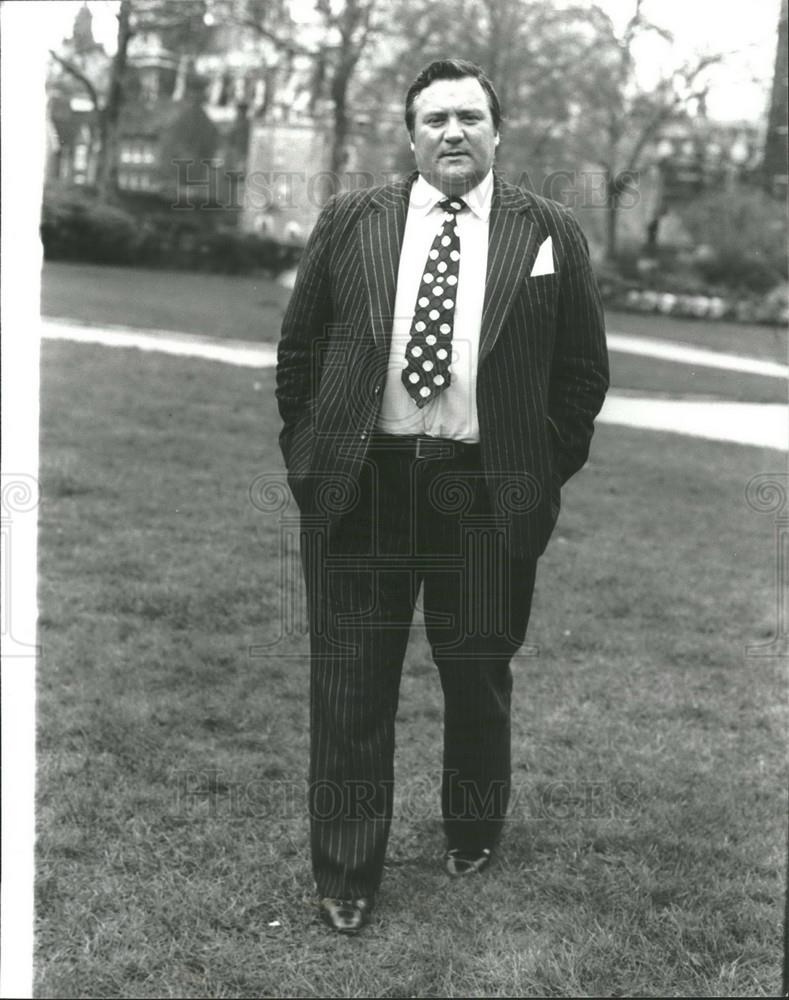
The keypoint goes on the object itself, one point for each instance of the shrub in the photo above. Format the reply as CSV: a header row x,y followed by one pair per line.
x,y
742,232
74,227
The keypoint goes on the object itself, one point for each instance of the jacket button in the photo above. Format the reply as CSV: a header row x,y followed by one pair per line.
x,y
362,436
377,389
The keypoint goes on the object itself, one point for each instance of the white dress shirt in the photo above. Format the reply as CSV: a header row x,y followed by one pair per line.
x,y
453,413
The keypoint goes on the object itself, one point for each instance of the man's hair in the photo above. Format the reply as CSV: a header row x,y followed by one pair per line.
x,y
451,69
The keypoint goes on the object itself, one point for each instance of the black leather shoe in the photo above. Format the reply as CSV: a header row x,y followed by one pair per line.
x,y
347,916
462,863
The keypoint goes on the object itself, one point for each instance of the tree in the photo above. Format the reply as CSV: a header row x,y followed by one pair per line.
x,y
81,69
568,82
107,174
334,45
776,149
539,57
625,117
352,26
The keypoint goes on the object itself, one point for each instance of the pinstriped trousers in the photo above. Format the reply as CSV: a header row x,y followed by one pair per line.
x,y
417,521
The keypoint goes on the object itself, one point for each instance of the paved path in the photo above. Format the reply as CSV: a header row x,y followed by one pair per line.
x,y
763,425
687,354
188,345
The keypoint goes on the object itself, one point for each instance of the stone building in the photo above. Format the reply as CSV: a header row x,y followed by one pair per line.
x,y
162,127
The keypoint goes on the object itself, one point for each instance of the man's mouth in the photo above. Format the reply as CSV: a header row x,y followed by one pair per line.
x,y
454,153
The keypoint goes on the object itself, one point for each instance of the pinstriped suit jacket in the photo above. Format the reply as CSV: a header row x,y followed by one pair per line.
x,y
542,370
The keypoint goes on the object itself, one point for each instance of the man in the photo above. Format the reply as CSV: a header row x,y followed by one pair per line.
x,y
442,362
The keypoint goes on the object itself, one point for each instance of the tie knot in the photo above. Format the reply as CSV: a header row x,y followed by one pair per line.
x,y
452,204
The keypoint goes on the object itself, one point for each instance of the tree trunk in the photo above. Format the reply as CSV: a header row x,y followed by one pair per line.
x,y
611,219
339,140
107,172
353,25
775,145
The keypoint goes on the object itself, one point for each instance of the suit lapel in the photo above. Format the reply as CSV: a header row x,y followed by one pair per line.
x,y
513,244
380,235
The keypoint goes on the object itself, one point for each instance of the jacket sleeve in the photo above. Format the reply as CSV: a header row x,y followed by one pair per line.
x,y
308,314
579,372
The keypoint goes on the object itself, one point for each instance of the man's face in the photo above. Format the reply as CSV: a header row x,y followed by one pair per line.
x,y
454,140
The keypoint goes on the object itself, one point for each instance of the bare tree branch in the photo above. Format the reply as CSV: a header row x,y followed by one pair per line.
x,y
689,76
291,47
78,75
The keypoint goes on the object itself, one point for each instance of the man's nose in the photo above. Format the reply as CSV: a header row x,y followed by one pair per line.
x,y
454,130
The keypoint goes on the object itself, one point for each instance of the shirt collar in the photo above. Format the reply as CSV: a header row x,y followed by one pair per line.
x,y
425,197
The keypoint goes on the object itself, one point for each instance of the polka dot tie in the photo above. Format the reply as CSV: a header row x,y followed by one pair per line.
x,y
428,353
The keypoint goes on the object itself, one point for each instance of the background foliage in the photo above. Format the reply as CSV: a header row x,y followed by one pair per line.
x,y
77,228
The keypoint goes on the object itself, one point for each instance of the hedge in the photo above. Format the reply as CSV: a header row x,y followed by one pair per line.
x,y
75,228
690,298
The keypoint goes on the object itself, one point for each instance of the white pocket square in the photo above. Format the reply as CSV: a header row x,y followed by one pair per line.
x,y
544,261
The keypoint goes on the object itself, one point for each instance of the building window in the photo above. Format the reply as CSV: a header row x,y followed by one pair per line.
x,y
137,153
138,180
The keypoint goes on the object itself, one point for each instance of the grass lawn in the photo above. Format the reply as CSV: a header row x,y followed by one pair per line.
x,y
246,308
633,373
251,308
646,845
753,340
213,305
